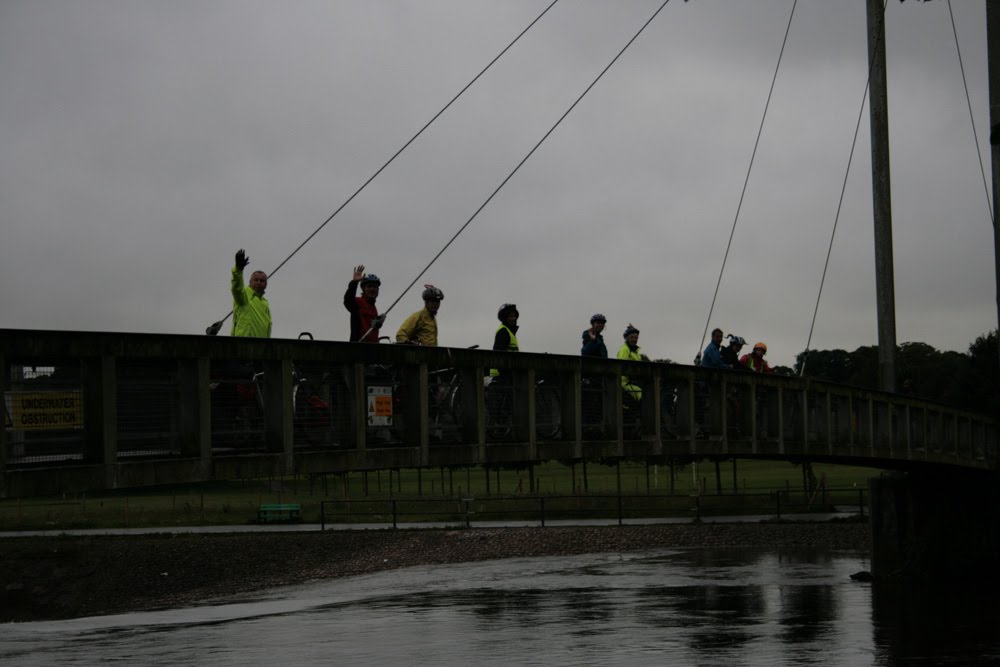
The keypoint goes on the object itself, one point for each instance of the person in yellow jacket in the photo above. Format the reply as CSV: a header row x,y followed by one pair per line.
x,y
506,336
251,311
421,328
630,351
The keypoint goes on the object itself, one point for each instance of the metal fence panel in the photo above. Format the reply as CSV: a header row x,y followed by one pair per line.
x,y
147,408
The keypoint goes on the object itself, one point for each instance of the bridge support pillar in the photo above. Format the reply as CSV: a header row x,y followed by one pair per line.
x,y
942,525
4,388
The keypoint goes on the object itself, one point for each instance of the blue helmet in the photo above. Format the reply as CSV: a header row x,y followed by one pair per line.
x,y
370,279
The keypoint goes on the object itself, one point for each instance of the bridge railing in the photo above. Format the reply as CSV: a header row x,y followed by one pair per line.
x,y
92,410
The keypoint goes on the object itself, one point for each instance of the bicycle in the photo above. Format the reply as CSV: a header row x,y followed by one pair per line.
x,y
238,408
500,410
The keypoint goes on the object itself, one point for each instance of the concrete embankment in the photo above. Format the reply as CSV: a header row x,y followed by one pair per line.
x,y
52,577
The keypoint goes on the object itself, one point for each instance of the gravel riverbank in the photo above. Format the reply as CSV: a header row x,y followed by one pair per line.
x,y
56,577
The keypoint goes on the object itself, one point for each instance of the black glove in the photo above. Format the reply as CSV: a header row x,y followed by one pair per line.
x,y
378,322
241,259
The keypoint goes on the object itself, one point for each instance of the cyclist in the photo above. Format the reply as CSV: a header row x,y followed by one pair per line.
x,y
365,320
593,341
731,353
506,336
420,328
712,357
755,360
251,311
630,352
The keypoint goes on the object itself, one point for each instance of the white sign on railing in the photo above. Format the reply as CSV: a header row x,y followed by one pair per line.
x,y
380,406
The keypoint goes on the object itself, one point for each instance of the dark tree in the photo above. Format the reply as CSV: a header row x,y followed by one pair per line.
x,y
970,381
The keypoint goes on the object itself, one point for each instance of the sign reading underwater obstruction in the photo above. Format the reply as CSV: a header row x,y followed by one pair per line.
x,y
41,410
380,406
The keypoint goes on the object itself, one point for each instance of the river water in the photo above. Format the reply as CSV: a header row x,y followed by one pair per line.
x,y
679,607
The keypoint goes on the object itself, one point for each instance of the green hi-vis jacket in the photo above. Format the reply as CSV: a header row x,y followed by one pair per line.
x,y
628,354
511,347
251,313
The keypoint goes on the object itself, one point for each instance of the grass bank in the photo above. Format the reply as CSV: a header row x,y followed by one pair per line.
x,y
655,490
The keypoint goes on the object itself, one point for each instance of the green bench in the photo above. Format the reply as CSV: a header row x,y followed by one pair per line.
x,y
279,512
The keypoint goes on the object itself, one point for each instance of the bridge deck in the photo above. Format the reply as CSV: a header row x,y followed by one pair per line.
x,y
106,410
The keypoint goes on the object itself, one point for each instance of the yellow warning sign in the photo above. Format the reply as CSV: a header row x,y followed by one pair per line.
x,y
45,410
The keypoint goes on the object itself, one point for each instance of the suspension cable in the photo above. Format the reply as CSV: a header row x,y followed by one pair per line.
x,y
843,189
972,120
753,155
218,325
526,157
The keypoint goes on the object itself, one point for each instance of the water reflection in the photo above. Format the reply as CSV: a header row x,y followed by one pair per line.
x,y
706,607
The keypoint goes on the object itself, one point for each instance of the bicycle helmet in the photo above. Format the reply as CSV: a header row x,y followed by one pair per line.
x,y
597,317
737,340
432,293
506,310
371,279
629,330
760,346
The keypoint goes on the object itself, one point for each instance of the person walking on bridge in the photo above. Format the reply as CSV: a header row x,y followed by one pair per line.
x,y
251,311
593,385
365,320
420,328
630,351
712,357
593,341
506,337
755,360
731,353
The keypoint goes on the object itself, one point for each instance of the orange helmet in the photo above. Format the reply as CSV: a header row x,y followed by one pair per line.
x,y
760,346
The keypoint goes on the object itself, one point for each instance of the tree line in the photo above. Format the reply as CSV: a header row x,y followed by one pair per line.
x,y
967,380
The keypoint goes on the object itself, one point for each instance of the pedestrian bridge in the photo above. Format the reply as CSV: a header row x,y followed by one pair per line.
x,y
89,411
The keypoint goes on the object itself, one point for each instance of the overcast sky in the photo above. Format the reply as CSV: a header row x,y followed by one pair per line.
x,y
144,142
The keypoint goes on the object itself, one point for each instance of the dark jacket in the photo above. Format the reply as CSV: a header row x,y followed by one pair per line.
x,y
731,359
593,348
